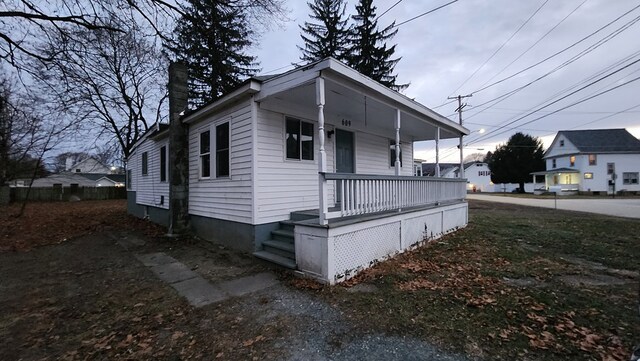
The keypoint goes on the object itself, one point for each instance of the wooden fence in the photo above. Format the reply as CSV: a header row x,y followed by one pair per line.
x,y
51,194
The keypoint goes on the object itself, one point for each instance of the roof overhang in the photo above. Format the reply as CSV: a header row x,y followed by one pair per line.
x,y
249,87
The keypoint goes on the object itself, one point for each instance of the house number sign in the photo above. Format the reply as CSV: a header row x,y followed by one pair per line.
x,y
346,122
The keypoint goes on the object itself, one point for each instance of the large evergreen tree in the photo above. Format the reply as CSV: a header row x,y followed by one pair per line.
x,y
329,36
369,53
515,161
212,38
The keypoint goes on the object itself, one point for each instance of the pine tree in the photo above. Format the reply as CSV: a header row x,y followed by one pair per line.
x,y
328,37
212,39
368,52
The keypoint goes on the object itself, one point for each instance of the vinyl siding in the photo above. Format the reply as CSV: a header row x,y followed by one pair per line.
x,y
149,190
224,198
283,186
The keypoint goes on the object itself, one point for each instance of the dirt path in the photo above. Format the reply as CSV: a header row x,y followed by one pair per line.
x,y
90,298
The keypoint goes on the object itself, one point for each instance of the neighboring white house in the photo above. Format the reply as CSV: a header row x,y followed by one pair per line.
x,y
478,174
68,179
597,160
88,165
312,169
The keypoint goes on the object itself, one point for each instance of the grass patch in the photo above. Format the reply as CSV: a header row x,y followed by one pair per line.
x,y
493,290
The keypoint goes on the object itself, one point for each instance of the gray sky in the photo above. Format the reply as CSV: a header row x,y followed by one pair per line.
x,y
441,50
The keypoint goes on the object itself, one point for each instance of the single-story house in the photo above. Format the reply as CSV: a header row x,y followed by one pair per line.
x,y
70,179
311,169
595,160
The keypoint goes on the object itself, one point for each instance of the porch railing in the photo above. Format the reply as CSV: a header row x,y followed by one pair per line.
x,y
363,194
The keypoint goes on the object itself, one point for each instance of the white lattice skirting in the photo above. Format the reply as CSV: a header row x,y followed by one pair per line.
x,y
335,254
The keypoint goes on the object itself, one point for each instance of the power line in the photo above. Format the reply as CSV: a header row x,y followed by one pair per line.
x,y
557,53
389,9
566,107
608,116
534,44
501,46
424,13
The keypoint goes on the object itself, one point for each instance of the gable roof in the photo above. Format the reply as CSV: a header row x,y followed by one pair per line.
x,y
602,140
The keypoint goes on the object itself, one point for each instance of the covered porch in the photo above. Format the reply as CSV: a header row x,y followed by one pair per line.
x,y
560,180
369,203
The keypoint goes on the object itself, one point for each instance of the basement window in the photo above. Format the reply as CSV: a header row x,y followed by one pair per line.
x,y
205,154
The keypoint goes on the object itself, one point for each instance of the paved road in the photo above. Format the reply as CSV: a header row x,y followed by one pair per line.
x,y
629,208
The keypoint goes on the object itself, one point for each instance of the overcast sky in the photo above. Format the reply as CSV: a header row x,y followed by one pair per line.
x,y
441,50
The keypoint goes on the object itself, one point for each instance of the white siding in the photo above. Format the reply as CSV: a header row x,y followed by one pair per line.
x,y
284,186
556,149
149,190
224,198
624,163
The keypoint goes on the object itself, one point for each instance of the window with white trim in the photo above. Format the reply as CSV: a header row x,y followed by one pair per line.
x,y
562,142
553,163
222,150
205,154
611,168
145,163
630,178
588,175
163,163
572,160
298,139
593,159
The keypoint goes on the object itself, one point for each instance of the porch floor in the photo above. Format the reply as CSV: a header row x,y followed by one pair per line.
x,y
313,218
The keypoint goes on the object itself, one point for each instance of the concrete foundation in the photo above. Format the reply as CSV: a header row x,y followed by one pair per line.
x,y
239,236
154,214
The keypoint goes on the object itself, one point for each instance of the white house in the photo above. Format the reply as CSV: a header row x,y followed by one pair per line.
x,y
312,169
478,174
596,160
69,179
88,165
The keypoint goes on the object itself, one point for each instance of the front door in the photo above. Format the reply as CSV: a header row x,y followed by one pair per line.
x,y
344,155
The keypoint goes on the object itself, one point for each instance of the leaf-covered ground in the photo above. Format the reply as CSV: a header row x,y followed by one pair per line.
x,y
517,283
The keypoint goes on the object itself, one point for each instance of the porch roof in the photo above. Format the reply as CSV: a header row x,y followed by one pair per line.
x,y
554,171
352,96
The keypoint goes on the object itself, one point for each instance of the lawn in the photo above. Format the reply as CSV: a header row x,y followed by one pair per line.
x,y
517,283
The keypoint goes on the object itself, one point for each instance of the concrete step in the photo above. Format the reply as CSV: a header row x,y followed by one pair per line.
x,y
282,235
277,259
287,225
281,248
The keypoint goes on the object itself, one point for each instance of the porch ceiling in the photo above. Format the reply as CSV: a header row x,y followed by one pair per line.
x,y
358,106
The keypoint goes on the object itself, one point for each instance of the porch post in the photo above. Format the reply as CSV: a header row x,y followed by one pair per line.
x,y
461,173
322,155
437,152
397,142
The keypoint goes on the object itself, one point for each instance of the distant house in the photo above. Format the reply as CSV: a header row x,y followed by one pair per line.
x,y
88,165
68,179
478,174
597,160
311,169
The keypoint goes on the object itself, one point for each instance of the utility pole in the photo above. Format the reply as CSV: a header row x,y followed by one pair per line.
x,y
461,146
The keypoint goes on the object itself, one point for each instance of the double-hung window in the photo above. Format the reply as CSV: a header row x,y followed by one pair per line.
x,y
392,158
163,164
205,154
630,178
222,150
593,159
145,163
298,139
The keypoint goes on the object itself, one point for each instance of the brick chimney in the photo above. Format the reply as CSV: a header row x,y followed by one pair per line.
x,y
178,150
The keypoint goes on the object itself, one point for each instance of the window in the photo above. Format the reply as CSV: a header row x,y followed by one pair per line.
x,y
553,163
163,164
222,150
630,178
392,158
592,159
145,163
572,160
78,170
588,175
562,142
205,154
299,139
611,168
129,179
